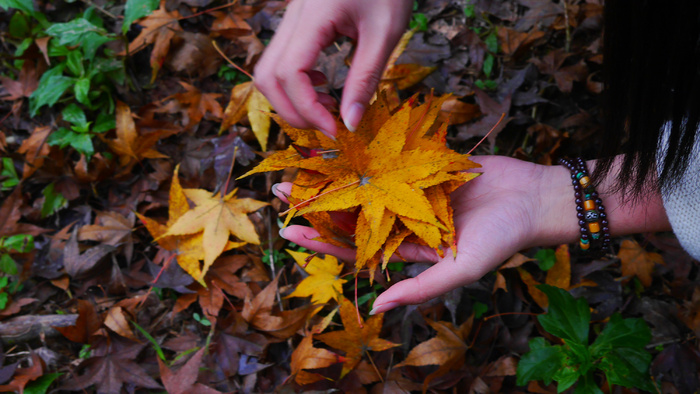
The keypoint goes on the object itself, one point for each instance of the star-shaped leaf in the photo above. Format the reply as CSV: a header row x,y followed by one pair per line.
x,y
219,217
306,356
323,282
357,338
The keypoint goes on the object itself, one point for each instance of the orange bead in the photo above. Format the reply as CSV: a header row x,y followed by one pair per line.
x,y
594,227
584,246
584,181
589,205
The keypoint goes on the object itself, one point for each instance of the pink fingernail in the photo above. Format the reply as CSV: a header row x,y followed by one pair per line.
x,y
354,116
274,188
282,233
383,307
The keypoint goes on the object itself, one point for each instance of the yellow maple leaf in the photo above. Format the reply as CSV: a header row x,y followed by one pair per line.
x,y
219,217
188,249
323,282
247,99
636,261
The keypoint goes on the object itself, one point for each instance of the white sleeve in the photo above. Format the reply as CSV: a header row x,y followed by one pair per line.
x,y
682,203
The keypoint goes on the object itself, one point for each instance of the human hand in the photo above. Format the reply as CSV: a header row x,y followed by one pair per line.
x,y
285,72
511,206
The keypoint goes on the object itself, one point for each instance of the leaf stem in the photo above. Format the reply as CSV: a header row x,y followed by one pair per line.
x,y
375,367
503,115
234,65
357,307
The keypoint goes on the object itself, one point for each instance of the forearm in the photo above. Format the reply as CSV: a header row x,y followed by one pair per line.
x,y
626,216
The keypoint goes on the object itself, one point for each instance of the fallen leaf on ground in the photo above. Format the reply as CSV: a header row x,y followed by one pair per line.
x,y
246,99
358,337
323,282
638,262
306,356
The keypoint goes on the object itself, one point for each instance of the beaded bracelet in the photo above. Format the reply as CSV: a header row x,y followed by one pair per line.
x,y
590,211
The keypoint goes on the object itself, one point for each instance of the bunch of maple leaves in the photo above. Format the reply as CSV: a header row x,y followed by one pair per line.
x,y
395,167
193,298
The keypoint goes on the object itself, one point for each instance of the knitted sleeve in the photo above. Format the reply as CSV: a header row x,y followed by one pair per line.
x,y
683,205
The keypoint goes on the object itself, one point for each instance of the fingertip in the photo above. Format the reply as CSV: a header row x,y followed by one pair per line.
x,y
353,116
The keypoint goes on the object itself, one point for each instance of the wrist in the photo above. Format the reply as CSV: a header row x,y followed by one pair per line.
x,y
558,223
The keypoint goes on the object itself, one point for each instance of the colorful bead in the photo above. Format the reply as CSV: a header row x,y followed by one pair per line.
x,y
594,227
585,181
588,205
591,216
584,246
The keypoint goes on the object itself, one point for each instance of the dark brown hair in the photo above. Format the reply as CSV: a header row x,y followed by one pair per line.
x,y
652,76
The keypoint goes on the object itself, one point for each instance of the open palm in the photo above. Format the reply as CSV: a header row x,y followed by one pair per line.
x,y
497,214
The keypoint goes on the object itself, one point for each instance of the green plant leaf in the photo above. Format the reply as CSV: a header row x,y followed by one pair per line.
x,y
545,259
619,333
8,172
491,42
74,115
488,64
81,89
137,9
4,299
628,367
79,141
568,318
587,385
23,243
80,32
53,201
19,25
419,22
156,345
540,363
566,377
104,122
74,62
22,5
41,385
51,87
8,265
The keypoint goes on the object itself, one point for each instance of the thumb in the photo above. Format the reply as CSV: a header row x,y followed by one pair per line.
x,y
365,72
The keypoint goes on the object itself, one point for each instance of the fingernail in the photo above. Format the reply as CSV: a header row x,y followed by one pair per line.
x,y
274,188
383,307
327,133
354,116
282,233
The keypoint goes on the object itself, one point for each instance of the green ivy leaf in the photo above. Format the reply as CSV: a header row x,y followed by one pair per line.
x,y
619,333
22,5
137,9
567,318
53,201
540,363
8,265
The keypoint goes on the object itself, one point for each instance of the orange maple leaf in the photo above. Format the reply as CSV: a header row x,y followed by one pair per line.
x,y
159,29
306,356
357,338
323,282
638,262
247,99
131,146
447,349
193,104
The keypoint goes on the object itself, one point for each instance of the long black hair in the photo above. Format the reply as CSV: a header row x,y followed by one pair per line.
x,y
652,75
